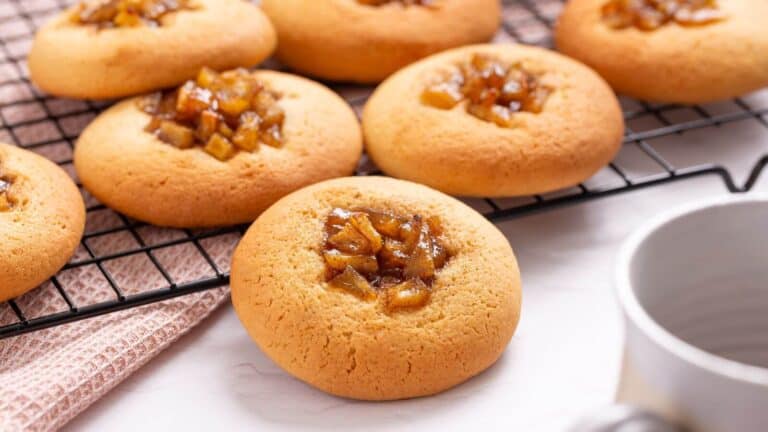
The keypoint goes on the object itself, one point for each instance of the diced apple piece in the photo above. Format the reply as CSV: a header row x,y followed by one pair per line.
x,y
487,97
247,135
353,282
207,77
176,134
219,147
479,111
473,87
225,131
536,99
127,19
337,219
192,100
480,61
494,75
208,124
515,87
261,101
409,233
274,115
615,16
435,226
246,138
649,19
94,13
442,95
500,115
409,294
363,224
349,239
272,136
700,16
385,223
420,263
439,254
233,106
362,263
151,102
393,255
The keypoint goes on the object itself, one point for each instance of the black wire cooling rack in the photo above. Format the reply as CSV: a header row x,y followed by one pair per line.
x,y
50,126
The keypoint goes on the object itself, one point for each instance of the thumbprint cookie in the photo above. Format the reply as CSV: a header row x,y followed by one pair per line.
x,y
377,289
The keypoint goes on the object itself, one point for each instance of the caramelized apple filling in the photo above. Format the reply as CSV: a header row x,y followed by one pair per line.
x,y
222,112
404,2
651,14
125,13
370,253
493,91
7,201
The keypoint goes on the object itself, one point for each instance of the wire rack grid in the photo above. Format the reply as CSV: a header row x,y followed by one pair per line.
x,y
50,126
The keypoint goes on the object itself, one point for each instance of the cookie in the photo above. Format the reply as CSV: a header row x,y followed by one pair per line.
x,y
42,218
219,165
381,329
99,52
364,41
493,120
671,57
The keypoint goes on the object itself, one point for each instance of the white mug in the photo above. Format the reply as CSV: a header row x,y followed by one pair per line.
x,y
693,289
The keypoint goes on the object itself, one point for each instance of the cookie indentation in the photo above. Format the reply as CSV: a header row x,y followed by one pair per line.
x,y
493,90
125,13
649,15
222,112
372,253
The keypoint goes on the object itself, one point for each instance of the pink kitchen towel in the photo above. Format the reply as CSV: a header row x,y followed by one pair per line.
x,y
49,376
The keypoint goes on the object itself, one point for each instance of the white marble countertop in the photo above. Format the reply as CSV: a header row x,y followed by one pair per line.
x,y
563,362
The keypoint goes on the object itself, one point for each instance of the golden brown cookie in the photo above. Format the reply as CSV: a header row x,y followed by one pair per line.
x,y
94,61
42,218
367,40
671,61
130,166
524,120
371,338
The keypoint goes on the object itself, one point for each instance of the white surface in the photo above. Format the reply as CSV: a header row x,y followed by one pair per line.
x,y
717,307
563,362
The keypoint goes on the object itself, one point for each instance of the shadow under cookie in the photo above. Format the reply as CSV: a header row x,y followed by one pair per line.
x,y
493,121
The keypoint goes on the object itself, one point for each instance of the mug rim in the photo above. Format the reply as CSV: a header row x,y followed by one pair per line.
x,y
662,337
